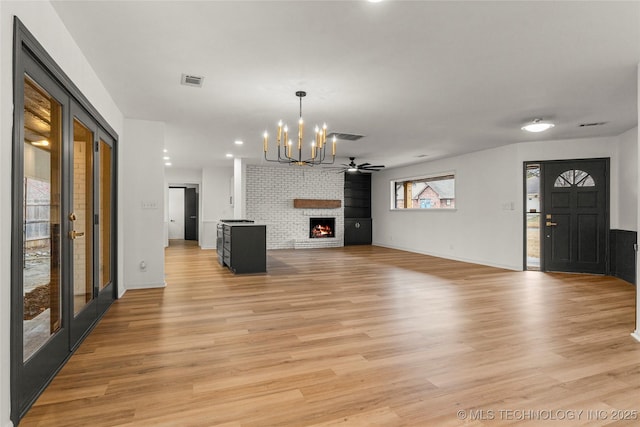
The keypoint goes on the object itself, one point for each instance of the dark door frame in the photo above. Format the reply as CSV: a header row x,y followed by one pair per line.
x,y
197,188
542,208
191,201
29,57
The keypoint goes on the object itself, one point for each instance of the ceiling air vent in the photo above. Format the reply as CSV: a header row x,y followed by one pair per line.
x,y
344,136
189,80
586,125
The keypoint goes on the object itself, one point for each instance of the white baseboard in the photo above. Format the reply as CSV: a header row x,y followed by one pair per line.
x,y
145,286
454,258
636,335
8,424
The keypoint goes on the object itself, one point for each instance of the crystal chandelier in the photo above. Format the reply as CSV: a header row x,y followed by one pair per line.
x,y
290,155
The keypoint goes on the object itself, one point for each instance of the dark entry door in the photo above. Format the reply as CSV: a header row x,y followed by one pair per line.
x,y
190,214
575,215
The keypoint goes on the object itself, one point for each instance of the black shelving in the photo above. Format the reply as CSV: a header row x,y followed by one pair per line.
x,y
357,208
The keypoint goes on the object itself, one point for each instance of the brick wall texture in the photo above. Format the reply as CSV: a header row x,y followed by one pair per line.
x,y
270,193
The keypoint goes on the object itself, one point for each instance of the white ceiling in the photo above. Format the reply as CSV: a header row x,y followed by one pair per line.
x,y
416,78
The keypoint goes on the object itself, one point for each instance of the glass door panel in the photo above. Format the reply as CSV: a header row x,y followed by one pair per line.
x,y
82,216
104,215
41,279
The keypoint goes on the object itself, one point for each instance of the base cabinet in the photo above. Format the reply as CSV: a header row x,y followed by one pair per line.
x,y
357,231
245,248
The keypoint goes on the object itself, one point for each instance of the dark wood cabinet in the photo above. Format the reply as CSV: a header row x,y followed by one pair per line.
x,y
357,209
244,248
357,231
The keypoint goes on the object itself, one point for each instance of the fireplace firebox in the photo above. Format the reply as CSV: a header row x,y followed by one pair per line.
x,y
322,227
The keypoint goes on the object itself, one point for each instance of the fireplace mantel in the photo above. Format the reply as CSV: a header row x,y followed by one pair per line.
x,y
316,203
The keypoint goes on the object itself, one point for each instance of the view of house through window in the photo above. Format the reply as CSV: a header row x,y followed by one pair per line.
x,y
435,192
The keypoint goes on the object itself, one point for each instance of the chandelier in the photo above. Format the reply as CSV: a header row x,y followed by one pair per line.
x,y
290,155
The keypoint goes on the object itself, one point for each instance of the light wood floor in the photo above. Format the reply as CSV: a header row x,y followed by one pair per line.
x,y
355,336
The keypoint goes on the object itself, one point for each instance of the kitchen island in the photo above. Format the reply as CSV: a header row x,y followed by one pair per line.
x,y
242,246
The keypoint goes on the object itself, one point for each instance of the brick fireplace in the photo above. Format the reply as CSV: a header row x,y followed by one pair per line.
x,y
270,200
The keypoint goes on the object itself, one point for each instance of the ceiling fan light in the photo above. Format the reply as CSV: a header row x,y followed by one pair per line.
x,y
537,125
352,170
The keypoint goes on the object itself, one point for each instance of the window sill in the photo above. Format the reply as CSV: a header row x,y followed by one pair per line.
x,y
424,210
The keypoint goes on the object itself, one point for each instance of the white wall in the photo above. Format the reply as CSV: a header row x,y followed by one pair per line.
x,y
270,194
484,229
44,24
142,188
628,182
215,202
479,230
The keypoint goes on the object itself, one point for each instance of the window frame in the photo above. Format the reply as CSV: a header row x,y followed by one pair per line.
x,y
422,178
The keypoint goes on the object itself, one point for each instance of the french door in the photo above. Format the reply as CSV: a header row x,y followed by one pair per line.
x,y
63,228
89,215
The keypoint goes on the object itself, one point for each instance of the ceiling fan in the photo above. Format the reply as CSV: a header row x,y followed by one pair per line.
x,y
353,167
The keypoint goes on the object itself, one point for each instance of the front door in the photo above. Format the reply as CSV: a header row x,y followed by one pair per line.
x,y
575,222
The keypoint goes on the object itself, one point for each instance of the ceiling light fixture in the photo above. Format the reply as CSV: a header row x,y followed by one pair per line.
x,y
238,142
318,147
43,143
537,125
168,164
229,155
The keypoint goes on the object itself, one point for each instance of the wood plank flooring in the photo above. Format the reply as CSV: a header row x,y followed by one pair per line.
x,y
354,336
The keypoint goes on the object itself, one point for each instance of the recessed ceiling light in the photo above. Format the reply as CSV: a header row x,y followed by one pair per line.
x,y
166,158
374,1
537,125
238,142
165,151
43,143
168,164
229,155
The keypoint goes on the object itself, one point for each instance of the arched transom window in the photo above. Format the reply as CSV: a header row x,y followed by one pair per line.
x,y
574,178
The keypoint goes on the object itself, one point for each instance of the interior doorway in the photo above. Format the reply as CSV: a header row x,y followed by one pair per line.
x,y
176,213
183,207
567,215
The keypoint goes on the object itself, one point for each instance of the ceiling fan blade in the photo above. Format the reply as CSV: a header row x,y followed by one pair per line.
x,y
374,167
363,165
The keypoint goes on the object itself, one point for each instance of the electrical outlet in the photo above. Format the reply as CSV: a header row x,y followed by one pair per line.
x,y
143,266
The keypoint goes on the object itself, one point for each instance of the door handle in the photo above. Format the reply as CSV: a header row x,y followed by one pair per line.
x,y
551,224
73,234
